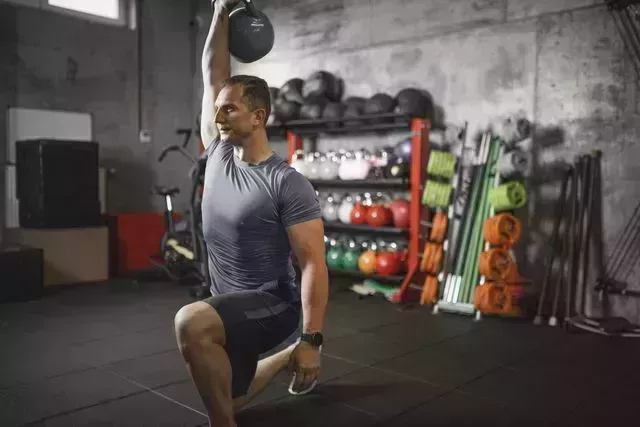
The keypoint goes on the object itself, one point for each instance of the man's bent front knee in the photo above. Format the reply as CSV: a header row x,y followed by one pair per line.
x,y
198,325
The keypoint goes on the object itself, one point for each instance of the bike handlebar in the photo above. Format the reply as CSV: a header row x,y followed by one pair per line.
x,y
178,148
187,136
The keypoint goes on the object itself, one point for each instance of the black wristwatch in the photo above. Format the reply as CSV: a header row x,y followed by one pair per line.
x,y
315,339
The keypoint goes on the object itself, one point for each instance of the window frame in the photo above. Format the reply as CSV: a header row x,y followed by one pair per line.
x,y
121,21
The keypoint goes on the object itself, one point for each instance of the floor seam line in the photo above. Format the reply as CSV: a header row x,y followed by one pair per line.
x,y
71,411
148,389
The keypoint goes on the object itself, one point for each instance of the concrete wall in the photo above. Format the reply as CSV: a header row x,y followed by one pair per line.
x,y
61,62
562,63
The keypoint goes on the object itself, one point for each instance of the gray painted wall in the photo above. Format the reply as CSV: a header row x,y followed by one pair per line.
x,y
560,62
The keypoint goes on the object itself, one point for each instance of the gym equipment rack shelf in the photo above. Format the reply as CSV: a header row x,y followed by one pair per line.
x,y
361,275
389,231
366,123
387,184
419,128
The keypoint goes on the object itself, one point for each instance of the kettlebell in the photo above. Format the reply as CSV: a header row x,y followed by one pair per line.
x,y
330,210
329,168
251,34
350,260
334,257
344,211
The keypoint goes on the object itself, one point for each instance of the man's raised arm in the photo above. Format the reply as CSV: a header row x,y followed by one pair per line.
x,y
216,65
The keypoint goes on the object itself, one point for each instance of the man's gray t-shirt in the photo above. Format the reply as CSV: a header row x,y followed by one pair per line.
x,y
246,209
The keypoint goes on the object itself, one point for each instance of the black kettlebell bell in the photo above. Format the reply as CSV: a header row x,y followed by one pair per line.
x,y
251,34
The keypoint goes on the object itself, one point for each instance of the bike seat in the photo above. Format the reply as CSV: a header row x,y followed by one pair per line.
x,y
164,191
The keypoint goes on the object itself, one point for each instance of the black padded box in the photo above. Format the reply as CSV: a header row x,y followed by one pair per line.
x,y
57,183
21,273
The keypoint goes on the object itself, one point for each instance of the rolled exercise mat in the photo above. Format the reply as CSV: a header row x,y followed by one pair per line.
x,y
502,230
509,196
442,163
515,162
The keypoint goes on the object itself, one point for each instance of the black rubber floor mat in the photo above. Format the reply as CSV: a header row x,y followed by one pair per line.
x,y
461,410
153,371
144,409
66,393
440,364
383,394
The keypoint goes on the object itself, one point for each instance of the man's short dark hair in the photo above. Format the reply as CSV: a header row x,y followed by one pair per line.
x,y
255,92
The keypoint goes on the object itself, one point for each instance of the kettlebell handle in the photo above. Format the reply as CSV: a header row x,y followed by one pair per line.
x,y
249,6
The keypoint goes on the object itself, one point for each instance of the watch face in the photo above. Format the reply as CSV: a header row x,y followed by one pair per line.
x,y
313,339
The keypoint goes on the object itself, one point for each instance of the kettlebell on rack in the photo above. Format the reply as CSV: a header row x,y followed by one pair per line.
x,y
251,34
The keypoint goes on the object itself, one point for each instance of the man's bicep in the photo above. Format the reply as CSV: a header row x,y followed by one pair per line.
x,y
307,241
302,217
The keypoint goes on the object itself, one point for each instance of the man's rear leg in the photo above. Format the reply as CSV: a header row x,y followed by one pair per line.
x,y
266,370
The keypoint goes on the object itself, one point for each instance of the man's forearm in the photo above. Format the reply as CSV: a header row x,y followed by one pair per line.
x,y
216,62
315,293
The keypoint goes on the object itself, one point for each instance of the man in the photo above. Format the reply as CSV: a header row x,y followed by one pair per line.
x,y
256,211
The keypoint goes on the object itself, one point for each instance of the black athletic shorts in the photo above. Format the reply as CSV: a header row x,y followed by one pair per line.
x,y
255,322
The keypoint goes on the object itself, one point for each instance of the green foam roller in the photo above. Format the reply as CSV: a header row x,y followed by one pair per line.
x,y
436,194
512,195
442,163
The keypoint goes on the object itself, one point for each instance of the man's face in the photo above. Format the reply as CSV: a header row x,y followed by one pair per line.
x,y
234,119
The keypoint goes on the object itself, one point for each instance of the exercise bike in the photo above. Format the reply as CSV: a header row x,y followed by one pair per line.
x,y
182,248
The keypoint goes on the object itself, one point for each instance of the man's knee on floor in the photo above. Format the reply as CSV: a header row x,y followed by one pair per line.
x,y
197,326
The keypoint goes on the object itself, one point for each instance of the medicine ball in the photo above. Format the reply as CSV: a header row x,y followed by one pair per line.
x,y
313,108
274,92
413,102
338,90
380,103
251,35
334,111
291,90
354,108
286,110
322,84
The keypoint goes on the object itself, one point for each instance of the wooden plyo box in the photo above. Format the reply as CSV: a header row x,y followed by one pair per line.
x,y
71,255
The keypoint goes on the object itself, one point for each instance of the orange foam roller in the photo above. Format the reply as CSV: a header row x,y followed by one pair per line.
x,y
431,258
429,290
496,264
498,298
502,230
439,227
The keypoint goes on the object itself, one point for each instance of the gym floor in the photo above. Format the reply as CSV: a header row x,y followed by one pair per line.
x,y
106,355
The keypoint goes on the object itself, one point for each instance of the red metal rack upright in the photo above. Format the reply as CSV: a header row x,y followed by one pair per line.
x,y
420,149
420,128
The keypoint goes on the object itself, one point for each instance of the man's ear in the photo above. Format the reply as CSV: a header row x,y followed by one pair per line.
x,y
260,116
